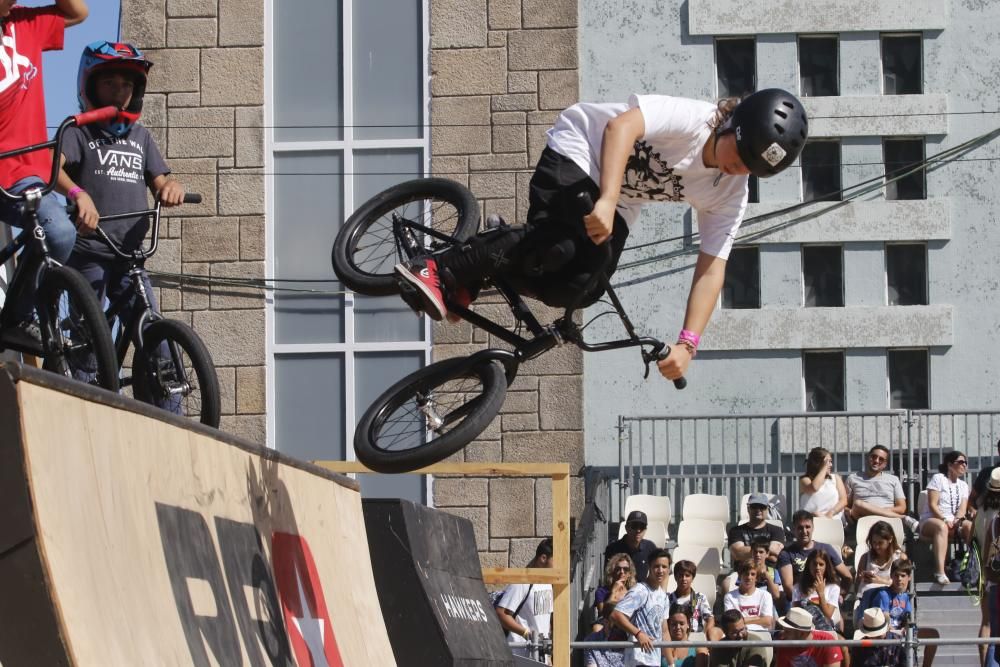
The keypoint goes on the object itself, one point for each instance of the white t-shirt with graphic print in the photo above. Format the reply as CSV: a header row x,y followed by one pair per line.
x,y
758,603
666,164
646,607
535,614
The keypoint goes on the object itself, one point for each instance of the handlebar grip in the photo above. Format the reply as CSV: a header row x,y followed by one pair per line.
x,y
680,382
192,198
101,115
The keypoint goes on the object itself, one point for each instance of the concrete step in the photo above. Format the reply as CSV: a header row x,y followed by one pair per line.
x,y
966,660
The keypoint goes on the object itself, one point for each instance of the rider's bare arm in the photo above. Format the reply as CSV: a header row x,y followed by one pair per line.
x,y
87,215
620,136
168,189
73,11
709,275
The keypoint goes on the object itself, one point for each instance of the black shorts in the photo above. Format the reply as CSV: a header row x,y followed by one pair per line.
x,y
555,214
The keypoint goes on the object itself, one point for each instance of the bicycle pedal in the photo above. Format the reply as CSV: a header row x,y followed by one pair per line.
x,y
410,296
493,221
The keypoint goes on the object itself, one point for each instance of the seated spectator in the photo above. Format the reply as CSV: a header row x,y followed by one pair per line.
x,y
767,576
743,535
874,566
732,628
701,612
875,625
792,560
821,490
947,503
798,625
634,544
679,629
524,609
818,593
640,613
607,633
876,492
755,604
896,602
980,483
987,531
619,577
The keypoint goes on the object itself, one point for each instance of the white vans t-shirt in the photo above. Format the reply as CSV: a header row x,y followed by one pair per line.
x,y
536,614
666,165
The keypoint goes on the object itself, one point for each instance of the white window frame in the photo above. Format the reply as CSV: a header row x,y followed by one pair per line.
x,y
881,59
346,147
888,382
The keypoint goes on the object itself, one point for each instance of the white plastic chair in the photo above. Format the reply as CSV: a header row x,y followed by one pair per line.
x,y
706,506
701,532
707,559
656,508
865,524
831,531
772,498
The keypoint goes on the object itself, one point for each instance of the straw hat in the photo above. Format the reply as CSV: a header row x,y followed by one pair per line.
x,y
994,483
797,618
873,624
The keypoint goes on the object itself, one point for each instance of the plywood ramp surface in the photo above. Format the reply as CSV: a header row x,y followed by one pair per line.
x,y
162,545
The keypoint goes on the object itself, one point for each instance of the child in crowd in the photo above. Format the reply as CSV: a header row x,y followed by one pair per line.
x,y
817,591
642,610
701,612
896,601
756,604
27,32
767,575
109,167
875,564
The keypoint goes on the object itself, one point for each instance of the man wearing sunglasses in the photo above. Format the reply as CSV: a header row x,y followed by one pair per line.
x,y
742,537
634,544
877,492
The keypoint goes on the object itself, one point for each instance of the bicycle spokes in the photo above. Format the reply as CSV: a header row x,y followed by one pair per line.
x,y
430,412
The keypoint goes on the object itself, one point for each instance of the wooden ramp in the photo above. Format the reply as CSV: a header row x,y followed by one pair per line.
x,y
131,537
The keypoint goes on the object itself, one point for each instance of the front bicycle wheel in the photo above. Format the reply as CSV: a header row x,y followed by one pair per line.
x,y
76,338
430,414
174,370
377,236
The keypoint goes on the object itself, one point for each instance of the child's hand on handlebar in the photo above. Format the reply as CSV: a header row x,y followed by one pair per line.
x,y
676,363
172,193
86,213
600,221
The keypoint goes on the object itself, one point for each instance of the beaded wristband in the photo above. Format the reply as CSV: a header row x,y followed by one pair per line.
x,y
688,336
74,192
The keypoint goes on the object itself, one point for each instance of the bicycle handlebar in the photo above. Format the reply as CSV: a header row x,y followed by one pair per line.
x,y
85,118
140,253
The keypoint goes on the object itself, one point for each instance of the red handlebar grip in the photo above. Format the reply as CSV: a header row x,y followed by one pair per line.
x,y
101,115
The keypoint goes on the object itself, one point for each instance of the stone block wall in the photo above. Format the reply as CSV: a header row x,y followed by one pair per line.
x,y
501,71
204,105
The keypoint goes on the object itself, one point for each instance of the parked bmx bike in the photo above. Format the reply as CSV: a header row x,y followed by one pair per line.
x,y
436,411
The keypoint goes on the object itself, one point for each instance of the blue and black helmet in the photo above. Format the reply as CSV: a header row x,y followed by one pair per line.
x,y
103,55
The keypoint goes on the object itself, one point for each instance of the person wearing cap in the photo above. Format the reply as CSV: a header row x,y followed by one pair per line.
x,y
875,625
623,155
741,537
797,624
634,544
987,535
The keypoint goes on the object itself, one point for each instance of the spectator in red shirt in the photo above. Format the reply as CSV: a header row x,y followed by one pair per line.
x,y
27,32
798,625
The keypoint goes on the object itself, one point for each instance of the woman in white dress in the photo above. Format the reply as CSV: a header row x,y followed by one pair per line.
x,y
947,503
821,491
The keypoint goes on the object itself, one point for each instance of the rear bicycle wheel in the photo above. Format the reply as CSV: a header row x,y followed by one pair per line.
x,y
174,370
75,335
367,246
430,414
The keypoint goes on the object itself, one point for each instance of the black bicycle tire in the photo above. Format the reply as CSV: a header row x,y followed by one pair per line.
x,y
472,425
384,284
201,362
65,279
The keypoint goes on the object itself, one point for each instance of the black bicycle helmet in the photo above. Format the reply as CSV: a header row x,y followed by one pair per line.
x,y
771,128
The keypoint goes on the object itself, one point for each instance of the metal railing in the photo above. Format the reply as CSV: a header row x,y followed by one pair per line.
x,y
733,455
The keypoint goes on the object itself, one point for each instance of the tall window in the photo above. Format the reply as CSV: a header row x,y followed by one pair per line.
x,y
906,274
818,68
823,276
736,60
345,100
908,379
902,66
900,155
753,190
741,288
823,373
821,171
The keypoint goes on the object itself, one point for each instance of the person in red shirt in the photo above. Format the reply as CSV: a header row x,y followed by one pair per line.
x,y
26,33
798,625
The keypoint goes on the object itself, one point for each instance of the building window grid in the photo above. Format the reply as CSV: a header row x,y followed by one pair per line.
x,y
823,276
741,286
347,146
823,380
902,63
821,178
900,154
906,274
736,66
908,378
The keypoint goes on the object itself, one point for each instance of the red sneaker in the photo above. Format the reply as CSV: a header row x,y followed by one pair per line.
x,y
420,279
462,298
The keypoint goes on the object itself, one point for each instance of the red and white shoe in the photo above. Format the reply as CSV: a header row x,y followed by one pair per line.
x,y
462,298
421,287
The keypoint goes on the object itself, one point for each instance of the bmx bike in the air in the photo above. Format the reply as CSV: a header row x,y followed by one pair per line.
x,y
434,412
